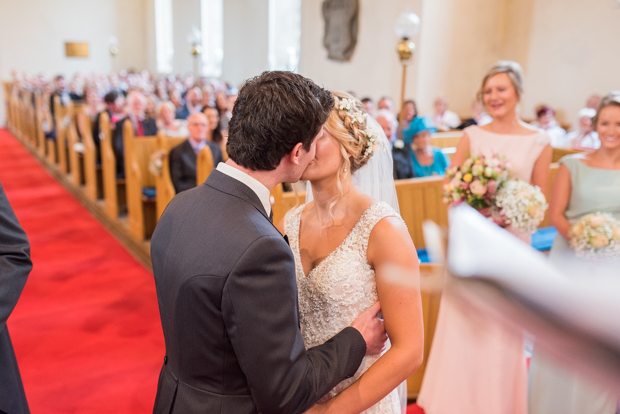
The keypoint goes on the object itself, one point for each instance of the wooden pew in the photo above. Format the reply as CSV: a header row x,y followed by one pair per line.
x,y
29,125
76,158
7,90
431,283
50,144
92,171
113,188
558,153
163,184
446,139
421,199
62,122
40,119
141,211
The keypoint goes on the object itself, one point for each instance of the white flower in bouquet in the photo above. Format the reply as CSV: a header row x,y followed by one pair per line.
x,y
523,205
596,236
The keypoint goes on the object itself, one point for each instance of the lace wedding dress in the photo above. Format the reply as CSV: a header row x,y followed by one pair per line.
x,y
341,287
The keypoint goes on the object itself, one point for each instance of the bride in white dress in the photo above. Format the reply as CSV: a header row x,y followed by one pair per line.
x,y
352,250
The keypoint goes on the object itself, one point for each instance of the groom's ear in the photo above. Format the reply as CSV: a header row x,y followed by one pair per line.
x,y
295,154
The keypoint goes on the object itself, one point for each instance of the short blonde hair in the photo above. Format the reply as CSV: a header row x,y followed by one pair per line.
x,y
613,99
510,68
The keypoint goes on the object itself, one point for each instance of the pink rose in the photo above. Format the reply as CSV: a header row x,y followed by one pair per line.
x,y
596,221
492,186
598,240
464,185
616,233
478,188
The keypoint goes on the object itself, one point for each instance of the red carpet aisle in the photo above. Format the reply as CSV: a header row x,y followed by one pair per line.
x,y
86,330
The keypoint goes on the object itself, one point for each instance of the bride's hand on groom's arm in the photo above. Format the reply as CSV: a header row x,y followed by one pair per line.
x,y
372,329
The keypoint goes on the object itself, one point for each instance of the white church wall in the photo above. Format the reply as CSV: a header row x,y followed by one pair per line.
x,y
246,39
374,69
573,52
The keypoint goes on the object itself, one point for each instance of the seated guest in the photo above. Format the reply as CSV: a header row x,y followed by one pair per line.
x,y
207,92
182,158
408,113
545,120
175,98
369,106
479,116
112,108
221,103
61,90
386,103
142,126
401,153
151,106
593,102
193,97
74,94
166,122
443,118
582,138
426,159
214,131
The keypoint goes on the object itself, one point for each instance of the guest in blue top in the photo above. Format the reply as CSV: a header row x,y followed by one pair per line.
x,y
426,159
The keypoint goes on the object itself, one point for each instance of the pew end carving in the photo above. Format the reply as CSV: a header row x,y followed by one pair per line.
x,y
141,211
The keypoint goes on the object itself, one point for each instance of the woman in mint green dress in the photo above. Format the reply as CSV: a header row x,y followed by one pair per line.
x,y
585,184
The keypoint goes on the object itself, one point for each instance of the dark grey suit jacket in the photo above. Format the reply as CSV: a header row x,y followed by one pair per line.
x,y
182,161
15,265
227,295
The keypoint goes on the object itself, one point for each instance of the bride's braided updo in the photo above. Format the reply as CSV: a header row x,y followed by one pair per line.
x,y
348,124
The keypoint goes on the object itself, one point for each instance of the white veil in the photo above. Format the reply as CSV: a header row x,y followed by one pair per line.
x,y
376,178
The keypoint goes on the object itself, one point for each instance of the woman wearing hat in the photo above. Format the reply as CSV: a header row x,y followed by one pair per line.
x,y
415,156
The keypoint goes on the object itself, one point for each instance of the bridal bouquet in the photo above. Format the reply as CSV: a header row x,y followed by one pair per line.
x,y
476,182
596,236
521,204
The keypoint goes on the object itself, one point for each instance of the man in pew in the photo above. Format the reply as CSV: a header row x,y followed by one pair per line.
x,y
192,105
112,108
136,104
183,157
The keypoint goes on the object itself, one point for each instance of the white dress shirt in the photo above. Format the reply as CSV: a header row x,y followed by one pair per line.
x,y
261,191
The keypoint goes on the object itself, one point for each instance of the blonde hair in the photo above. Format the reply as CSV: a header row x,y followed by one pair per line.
x,y
345,126
613,99
510,68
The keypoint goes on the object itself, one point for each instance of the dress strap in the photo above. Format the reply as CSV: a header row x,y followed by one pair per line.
x,y
291,223
372,216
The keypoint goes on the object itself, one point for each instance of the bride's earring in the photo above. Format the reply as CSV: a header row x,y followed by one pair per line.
x,y
345,169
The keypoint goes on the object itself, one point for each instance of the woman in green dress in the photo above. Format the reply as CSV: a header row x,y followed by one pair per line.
x,y
584,184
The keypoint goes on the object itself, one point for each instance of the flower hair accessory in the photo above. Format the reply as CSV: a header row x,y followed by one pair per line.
x,y
346,104
373,143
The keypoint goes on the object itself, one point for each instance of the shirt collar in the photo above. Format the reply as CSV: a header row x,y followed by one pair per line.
x,y
197,146
261,191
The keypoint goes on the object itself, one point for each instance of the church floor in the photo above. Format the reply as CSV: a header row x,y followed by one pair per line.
x,y
86,329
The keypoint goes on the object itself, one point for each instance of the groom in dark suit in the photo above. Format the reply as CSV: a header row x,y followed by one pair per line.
x,y
225,276
15,265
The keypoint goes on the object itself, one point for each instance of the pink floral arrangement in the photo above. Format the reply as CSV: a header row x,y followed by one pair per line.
x,y
476,182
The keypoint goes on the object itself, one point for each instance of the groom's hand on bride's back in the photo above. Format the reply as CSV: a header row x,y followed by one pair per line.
x,y
372,329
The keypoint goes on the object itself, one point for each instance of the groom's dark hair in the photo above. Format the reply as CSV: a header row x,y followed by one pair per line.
x,y
274,112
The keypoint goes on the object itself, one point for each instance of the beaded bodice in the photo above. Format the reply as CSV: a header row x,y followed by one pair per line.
x,y
338,289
